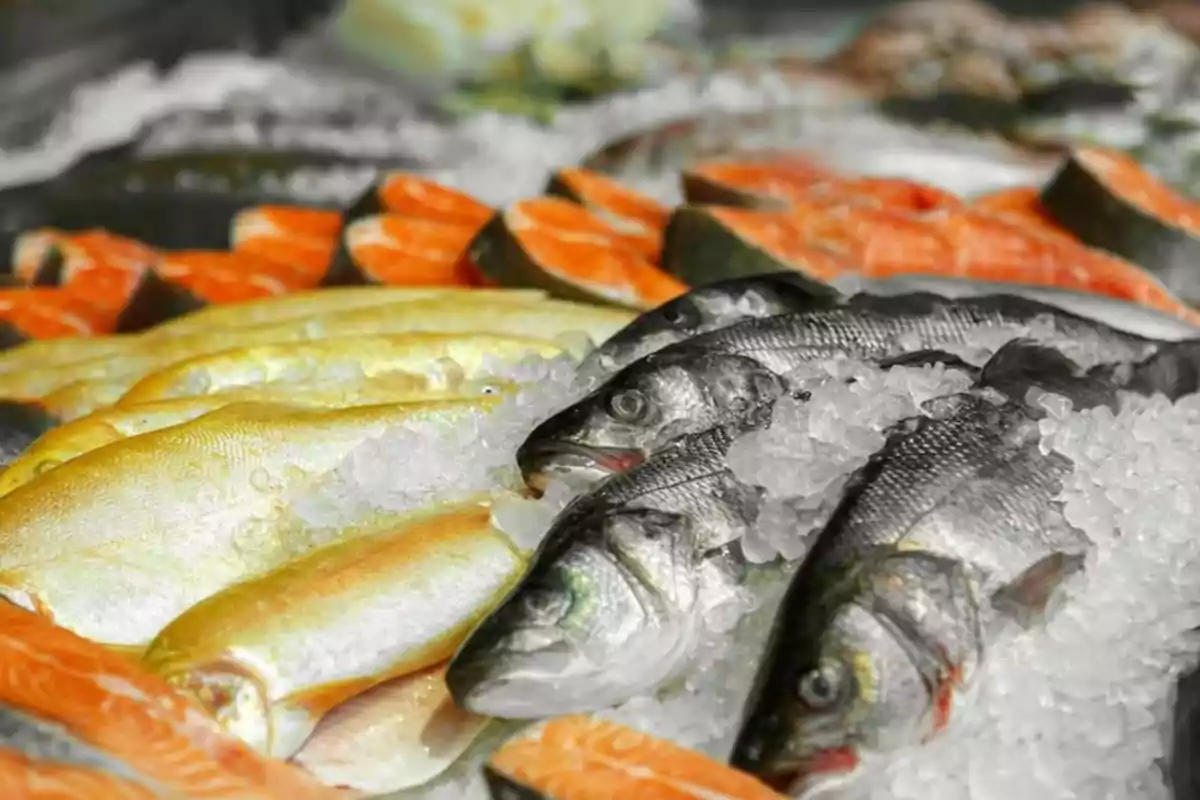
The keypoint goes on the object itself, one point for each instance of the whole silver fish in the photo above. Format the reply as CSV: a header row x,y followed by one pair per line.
x,y
612,605
951,530
696,383
704,309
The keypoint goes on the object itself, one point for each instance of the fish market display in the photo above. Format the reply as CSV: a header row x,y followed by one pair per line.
x,y
841,473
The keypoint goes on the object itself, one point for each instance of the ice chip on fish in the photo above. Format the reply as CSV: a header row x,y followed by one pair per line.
x,y
706,308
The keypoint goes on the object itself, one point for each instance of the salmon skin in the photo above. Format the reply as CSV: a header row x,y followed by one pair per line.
x,y
1108,200
552,243
639,219
581,758
437,215
81,722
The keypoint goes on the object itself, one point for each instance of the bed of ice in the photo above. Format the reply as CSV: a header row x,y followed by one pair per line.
x,y
1077,709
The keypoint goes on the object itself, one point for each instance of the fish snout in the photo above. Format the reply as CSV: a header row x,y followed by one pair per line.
x,y
542,461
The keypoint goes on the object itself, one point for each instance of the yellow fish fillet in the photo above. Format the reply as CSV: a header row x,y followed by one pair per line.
x,y
546,320
72,439
269,657
118,542
400,734
349,358
325,301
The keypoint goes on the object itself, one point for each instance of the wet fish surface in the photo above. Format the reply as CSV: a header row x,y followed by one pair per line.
x,y
948,533
696,383
613,601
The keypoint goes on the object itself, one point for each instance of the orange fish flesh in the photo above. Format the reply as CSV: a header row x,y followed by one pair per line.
x,y
408,251
414,196
51,313
638,219
583,758
215,276
303,238
771,184
564,244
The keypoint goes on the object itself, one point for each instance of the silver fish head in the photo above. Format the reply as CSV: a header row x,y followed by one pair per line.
x,y
704,309
834,696
642,408
607,612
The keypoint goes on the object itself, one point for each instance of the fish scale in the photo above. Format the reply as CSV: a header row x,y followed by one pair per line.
x,y
912,474
867,327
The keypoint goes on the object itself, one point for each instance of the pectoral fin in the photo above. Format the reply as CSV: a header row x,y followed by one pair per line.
x,y
1027,599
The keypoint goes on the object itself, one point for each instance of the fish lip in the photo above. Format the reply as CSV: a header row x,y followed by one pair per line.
x,y
822,769
573,457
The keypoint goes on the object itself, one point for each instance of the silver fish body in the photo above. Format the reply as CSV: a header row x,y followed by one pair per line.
x,y
613,602
869,328
704,309
696,383
951,530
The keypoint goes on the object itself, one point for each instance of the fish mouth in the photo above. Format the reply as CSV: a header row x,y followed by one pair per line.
x,y
822,771
544,461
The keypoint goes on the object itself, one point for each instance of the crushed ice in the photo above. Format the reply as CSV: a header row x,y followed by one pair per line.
x,y
421,463
811,447
1080,708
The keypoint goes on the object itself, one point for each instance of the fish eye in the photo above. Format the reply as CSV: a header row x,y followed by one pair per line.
x,y
679,317
629,405
820,688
